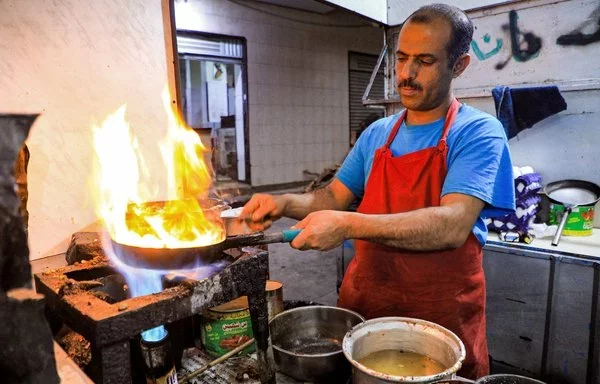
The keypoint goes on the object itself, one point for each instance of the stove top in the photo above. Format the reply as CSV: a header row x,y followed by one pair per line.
x,y
91,298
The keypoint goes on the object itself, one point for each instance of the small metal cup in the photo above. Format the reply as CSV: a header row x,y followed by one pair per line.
x,y
274,295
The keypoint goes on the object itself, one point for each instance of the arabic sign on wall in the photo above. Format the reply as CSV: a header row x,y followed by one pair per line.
x,y
536,57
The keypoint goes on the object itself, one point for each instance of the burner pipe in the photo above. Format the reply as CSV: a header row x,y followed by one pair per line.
x,y
158,360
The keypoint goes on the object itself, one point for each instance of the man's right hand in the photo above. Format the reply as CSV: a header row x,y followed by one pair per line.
x,y
262,210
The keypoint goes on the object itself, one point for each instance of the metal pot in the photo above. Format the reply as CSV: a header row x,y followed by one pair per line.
x,y
307,342
233,224
494,379
507,379
406,334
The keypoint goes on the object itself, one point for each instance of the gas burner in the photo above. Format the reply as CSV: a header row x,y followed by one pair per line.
x,y
84,297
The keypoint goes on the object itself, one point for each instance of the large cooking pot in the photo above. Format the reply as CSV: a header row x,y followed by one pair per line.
x,y
404,334
307,342
573,195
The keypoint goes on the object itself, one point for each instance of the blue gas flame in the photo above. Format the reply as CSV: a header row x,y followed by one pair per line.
x,y
155,334
143,281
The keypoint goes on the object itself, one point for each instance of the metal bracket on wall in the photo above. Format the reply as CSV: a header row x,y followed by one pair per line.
x,y
365,97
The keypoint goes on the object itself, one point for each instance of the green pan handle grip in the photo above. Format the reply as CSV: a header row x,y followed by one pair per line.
x,y
290,234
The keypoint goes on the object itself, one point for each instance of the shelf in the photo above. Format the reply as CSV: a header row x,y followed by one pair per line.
x,y
588,246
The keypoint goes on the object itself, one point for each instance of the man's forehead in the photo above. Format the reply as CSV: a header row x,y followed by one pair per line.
x,y
416,38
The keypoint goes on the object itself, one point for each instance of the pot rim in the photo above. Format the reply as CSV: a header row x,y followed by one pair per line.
x,y
404,379
300,309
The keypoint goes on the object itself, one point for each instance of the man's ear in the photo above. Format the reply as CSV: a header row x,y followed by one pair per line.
x,y
461,64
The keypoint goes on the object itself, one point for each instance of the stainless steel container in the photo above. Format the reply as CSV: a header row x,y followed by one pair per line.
x,y
507,379
406,334
274,295
307,342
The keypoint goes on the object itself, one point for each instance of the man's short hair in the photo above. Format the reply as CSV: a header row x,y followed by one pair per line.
x,y
462,27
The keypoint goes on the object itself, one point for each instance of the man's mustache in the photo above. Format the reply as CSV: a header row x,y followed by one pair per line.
x,y
409,84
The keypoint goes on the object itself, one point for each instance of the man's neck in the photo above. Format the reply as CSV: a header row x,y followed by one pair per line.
x,y
425,117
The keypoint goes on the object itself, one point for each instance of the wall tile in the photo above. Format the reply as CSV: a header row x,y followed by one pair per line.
x,y
253,114
290,134
318,133
285,77
328,152
277,135
298,136
291,153
253,93
256,155
296,95
287,173
309,114
328,118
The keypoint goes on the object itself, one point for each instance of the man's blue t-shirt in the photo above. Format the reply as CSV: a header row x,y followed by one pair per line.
x,y
479,162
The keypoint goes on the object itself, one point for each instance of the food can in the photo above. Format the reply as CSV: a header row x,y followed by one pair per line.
x,y
226,327
579,223
274,296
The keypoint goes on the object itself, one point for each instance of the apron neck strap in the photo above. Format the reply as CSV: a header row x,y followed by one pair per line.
x,y
450,117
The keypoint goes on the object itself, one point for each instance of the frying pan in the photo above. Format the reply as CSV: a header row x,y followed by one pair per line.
x,y
183,258
571,194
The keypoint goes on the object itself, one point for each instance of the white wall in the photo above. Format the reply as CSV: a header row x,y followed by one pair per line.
x,y
297,80
566,144
75,62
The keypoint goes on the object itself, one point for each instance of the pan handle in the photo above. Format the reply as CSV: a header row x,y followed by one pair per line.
x,y
257,238
290,234
285,236
563,221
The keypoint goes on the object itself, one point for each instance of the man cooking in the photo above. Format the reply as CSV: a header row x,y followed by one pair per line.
x,y
426,177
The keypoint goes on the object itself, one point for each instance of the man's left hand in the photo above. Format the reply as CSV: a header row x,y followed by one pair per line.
x,y
321,230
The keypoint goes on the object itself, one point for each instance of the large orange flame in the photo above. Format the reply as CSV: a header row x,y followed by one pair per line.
x,y
125,194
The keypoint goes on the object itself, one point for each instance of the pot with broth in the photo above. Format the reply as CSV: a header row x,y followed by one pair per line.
x,y
400,363
402,350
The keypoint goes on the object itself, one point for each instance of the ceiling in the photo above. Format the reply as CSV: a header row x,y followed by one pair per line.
x,y
304,5
388,12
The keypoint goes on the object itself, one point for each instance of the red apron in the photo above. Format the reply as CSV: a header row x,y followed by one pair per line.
x,y
446,287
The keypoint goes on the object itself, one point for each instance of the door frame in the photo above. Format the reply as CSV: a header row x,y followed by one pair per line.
x,y
244,65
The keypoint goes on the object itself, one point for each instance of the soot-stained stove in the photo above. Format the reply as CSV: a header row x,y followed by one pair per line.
x,y
75,295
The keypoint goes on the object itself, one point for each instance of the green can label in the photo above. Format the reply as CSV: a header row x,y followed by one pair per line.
x,y
223,331
579,223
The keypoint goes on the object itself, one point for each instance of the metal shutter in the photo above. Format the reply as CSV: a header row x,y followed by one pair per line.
x,y
361,66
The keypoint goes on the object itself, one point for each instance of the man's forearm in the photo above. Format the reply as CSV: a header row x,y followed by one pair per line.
x,y
297,206
424,229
